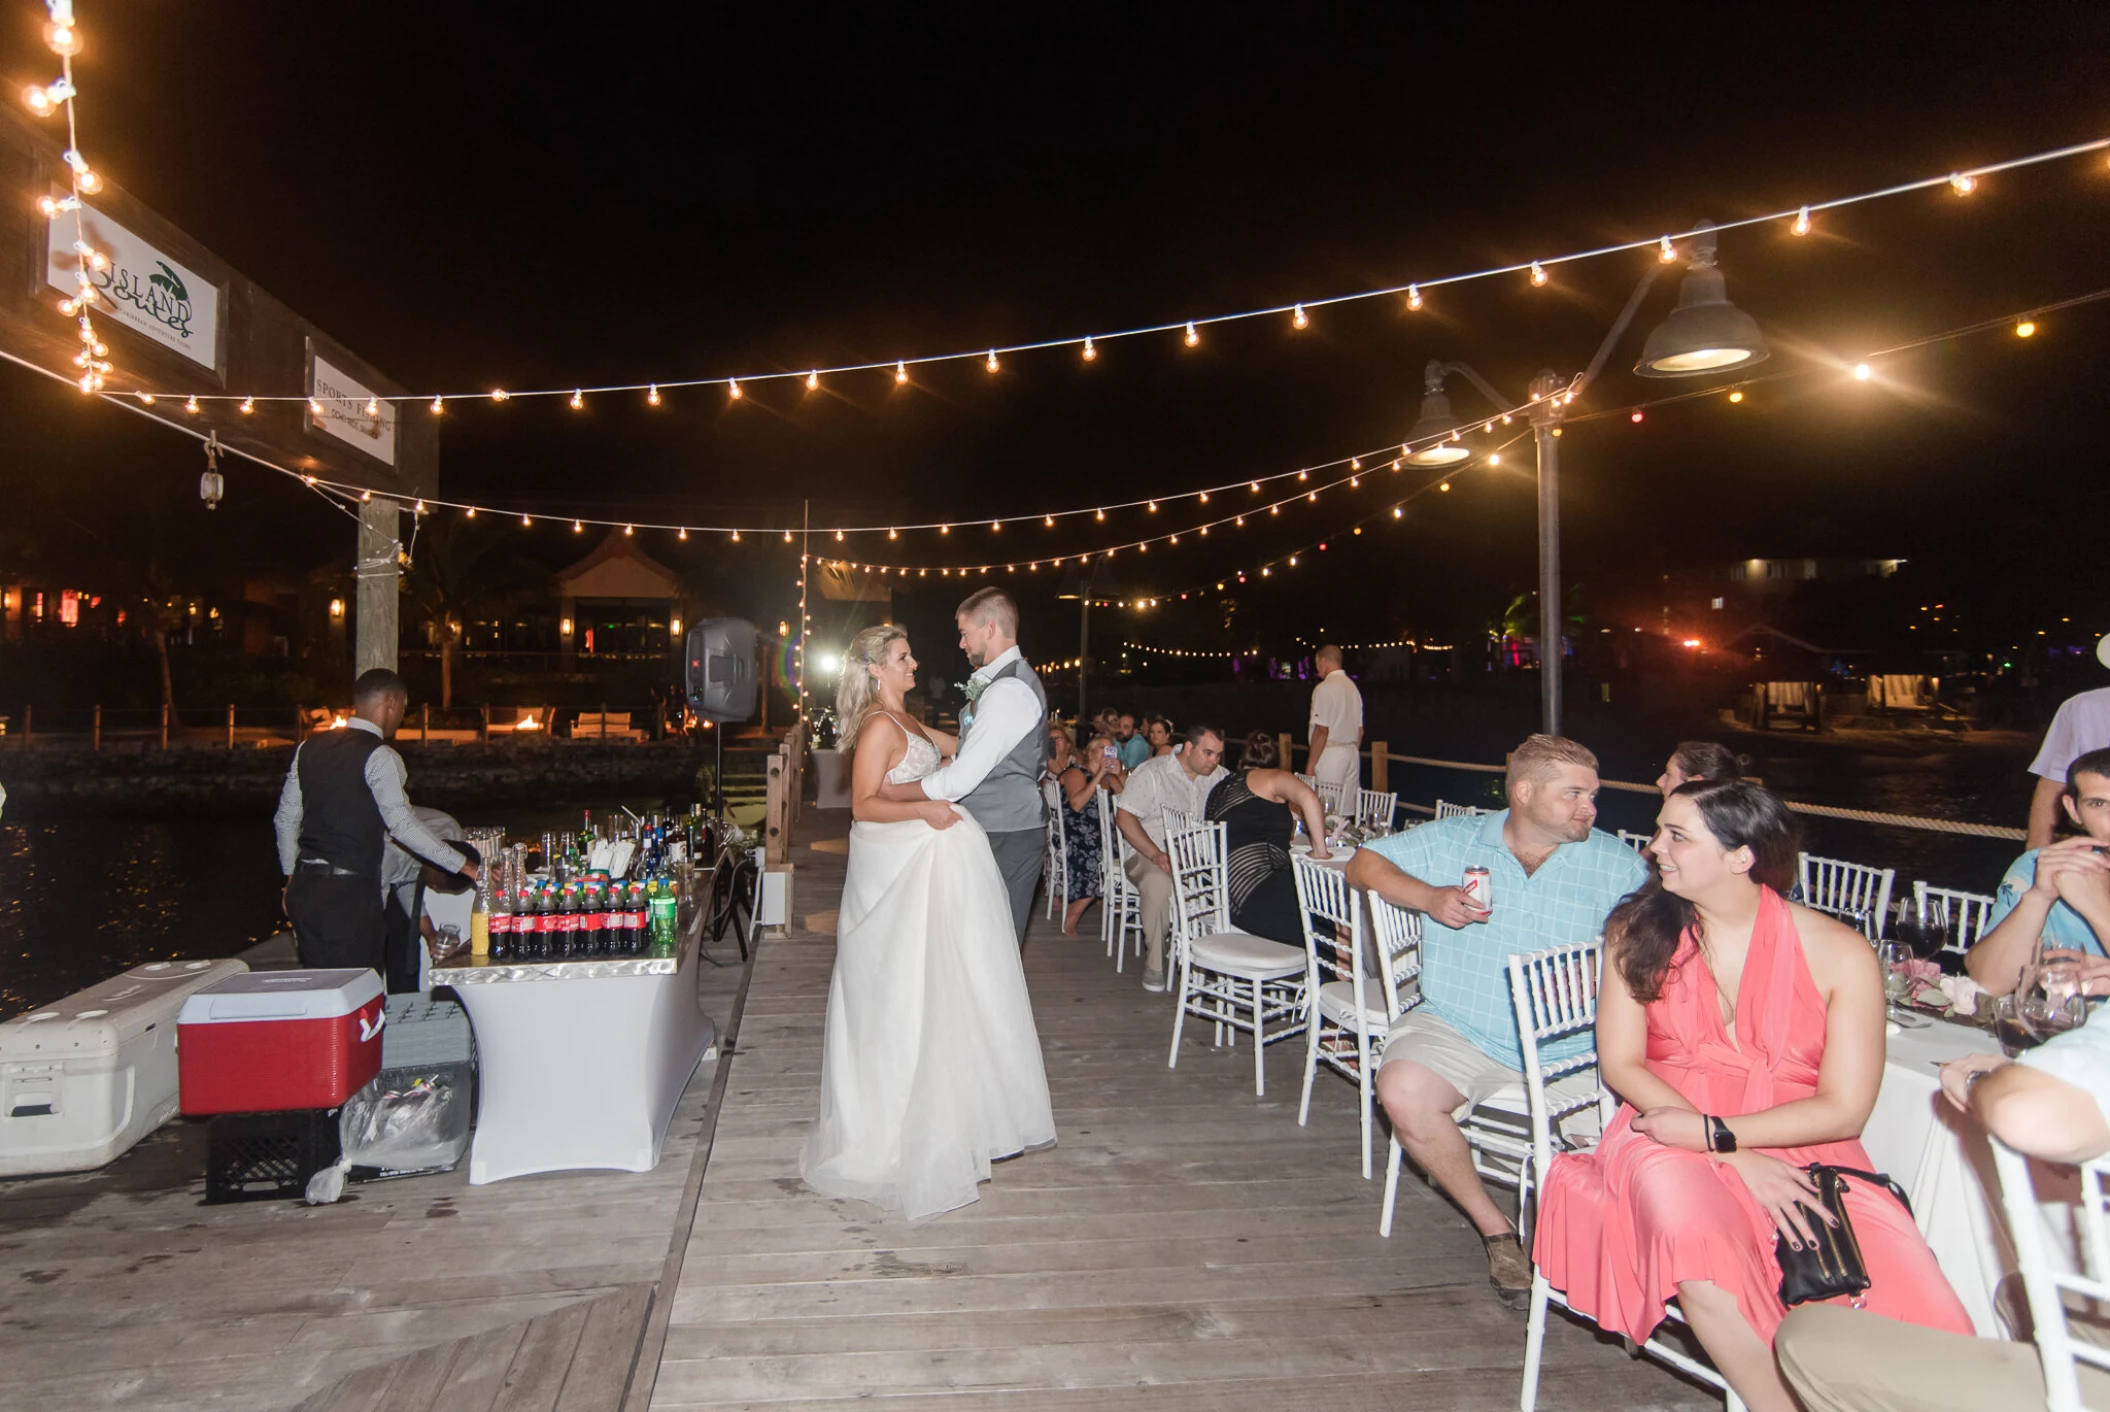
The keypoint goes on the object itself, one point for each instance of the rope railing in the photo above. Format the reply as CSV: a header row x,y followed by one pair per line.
x,y
1827,811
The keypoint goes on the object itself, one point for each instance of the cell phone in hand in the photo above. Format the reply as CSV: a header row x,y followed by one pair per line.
x,y
1109,752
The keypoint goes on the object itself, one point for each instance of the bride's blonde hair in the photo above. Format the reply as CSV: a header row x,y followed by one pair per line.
x,y
855,698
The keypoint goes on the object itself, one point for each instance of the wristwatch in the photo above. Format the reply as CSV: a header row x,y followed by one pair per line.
x,y
1719,1138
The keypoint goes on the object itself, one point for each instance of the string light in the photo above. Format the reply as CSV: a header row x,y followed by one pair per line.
x,y
732,388
1299,318
578,400
2026,329
684,533
1192,336
191,406
652,394
1636,415
1666,252
1802,222
629,529
499,394
1862,372
248,406
813,380
526,521
1538,273
1091,352
901,372
992,360
1494,458
1414,296
577,527
1737,396
439,405
1962,183
373,406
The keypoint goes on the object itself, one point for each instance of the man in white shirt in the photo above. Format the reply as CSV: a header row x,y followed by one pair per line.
x,y
1181,781
1336,727
995,775
2081,725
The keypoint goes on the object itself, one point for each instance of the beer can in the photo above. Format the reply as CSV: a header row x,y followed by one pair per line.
x,y
1479,888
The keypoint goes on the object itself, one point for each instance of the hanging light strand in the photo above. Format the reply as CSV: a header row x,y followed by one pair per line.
x,y
1188,329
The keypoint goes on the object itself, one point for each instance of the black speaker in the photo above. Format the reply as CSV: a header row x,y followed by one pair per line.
x,y
721,669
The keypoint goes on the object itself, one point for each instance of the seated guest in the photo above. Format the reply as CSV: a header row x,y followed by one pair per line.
x,y
1701,760
2062,891
1134,749
1744,1033
1181,782
1157,733
1554,878
2052,1104
1258,807
1080,783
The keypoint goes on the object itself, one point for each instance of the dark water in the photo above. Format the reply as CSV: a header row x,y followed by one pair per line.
x,y
83,899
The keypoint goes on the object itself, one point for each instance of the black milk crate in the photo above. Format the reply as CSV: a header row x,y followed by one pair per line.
x,y
267,1156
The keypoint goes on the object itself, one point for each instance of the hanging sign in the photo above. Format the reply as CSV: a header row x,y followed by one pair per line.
x,y
340,408
143,289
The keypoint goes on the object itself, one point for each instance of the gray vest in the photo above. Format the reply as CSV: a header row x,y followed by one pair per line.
x,y
1008,800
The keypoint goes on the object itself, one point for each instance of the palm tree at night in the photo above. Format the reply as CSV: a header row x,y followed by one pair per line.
x,y
458,573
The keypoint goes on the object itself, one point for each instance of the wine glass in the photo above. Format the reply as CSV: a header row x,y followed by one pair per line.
x,y
1899,983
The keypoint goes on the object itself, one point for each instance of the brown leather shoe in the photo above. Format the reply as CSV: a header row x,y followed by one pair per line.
x,y
1508,1269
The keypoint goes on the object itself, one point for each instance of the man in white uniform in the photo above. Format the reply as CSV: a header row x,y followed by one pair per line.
x,y
1336,728
2081,725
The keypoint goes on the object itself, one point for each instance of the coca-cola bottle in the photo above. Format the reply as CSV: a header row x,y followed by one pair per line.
x,y
593,922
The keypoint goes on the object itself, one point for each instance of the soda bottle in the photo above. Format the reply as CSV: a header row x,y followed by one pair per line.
x,y
593,922
540,925
567,922
634,919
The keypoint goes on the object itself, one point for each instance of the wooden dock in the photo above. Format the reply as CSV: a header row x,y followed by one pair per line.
x,y
1185,1245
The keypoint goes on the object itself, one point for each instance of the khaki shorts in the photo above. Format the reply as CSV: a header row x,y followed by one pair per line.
x,y
1424,1037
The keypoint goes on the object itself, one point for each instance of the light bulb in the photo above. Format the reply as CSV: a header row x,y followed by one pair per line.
x,y
472,512
526,521
2026,329
684,533
1802,222
191,405
1445,487
1862,372
578,399
736,536
1239,521
1354,481
1192,337
1048,520
147,398
629,529
652,394
1538,273
992,360
577,527
1101,515
901,372
1737,396
1205,529
90,182
1253,486
248,405
1299,318
69,307
1275,509
1293,561
1173,540
1090,350
418,509
813,380
38,100
1494,458
787,536
996,526
314,406
1413,296
1665,251
1962,184
52,205
944,529
366,495
499,394
373,406
439,405
838,536
63,38
732,389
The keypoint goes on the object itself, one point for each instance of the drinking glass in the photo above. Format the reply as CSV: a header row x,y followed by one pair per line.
x,y
1898,981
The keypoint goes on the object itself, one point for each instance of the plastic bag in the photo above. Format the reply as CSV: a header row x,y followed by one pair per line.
x,y
408,1120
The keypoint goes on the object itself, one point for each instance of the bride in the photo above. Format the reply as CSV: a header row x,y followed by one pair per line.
x,y
931,1066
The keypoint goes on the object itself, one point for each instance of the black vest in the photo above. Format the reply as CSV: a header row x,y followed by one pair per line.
x,y
339,821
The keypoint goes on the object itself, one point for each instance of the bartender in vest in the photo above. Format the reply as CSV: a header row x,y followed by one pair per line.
x,y
343,799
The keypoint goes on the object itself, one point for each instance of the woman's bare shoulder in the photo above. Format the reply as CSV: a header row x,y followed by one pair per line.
x,y
1833,949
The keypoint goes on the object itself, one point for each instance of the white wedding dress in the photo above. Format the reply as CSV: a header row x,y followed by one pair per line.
x,y
931,1066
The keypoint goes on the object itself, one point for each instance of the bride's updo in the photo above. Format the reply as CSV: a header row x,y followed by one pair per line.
x,y
855,694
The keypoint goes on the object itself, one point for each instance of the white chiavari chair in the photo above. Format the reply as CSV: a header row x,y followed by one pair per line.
x,y
1962,916
1445,809
1555,995
1374,809
2046,1285
1121,911
1346,1019
1236,981
1055,862
1639,842
1853,892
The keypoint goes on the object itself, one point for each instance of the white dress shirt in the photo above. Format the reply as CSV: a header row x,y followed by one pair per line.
x,y
1004,714
1162,782
385,774
1337,705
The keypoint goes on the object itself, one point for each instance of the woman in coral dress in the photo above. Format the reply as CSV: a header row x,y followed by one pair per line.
x,y
1723,1001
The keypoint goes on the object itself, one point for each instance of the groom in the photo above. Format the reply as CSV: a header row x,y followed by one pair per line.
x,y
1003,747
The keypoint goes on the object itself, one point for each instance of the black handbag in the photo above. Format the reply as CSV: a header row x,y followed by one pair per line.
x,y
1832,1264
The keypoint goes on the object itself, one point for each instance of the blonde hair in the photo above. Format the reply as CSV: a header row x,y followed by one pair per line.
x,y
1540,758
855,700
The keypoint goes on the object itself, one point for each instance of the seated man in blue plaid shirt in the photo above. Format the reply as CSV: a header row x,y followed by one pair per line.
x,y
1554,878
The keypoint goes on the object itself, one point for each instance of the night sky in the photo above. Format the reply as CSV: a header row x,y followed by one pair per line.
x,y
473,196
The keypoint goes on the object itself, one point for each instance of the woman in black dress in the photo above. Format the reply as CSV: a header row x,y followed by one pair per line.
x,y
1080,781
1258,807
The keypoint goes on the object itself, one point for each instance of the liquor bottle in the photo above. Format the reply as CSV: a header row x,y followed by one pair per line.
x,y
588,836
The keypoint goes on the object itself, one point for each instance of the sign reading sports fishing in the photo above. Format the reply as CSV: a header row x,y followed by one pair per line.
x,y
143,288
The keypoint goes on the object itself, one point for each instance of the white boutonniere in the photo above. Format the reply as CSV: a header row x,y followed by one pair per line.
x,y
973,687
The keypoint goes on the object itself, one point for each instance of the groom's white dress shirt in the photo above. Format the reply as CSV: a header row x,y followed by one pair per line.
x,y
1003,713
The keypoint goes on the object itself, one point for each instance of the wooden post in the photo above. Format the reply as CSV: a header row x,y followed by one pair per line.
x,y
776,829
604,721
164,725
1285,760
95,728
487,723
1380,767
424,723
230,725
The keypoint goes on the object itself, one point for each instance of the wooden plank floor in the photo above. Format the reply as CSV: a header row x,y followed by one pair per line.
x,y
1185,1245
119,1288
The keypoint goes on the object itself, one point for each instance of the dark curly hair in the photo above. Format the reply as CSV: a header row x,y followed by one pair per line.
x,y
1261,752
1643,931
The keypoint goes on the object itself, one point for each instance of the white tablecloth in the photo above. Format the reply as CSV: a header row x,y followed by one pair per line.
x,y
580,1063
1942,1160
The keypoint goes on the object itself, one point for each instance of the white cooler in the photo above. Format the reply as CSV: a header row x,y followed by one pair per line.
x,y
82,1080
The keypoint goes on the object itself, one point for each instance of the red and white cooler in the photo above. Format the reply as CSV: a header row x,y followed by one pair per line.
x,y
271,1040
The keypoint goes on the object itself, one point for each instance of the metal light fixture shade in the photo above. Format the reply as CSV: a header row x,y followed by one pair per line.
x,y
1436,422
1705,332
